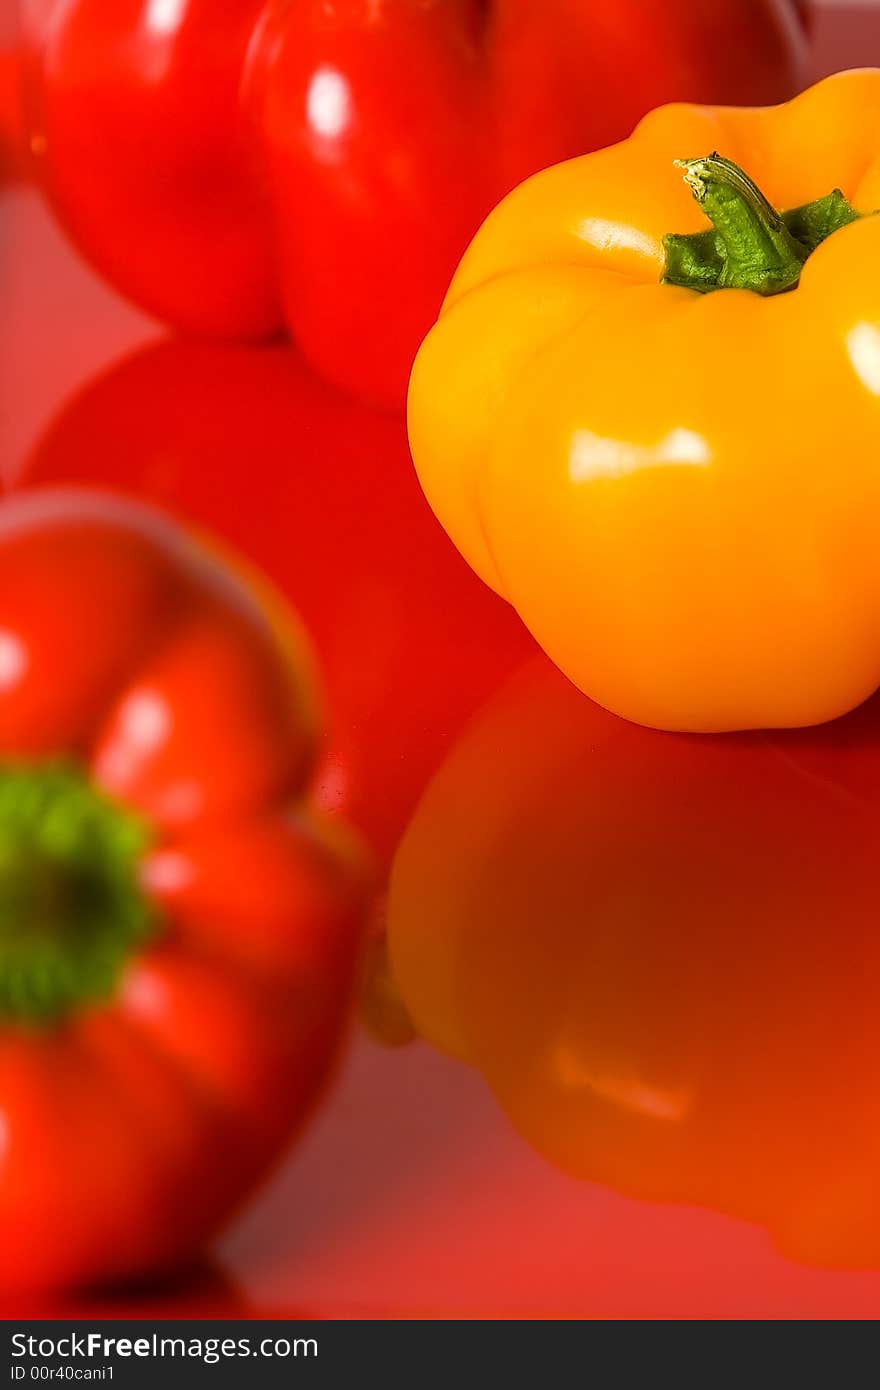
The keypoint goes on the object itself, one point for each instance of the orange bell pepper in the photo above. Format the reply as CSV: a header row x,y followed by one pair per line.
x,y
659,439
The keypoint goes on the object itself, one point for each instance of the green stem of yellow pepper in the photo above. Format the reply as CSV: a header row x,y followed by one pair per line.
x,y
751,245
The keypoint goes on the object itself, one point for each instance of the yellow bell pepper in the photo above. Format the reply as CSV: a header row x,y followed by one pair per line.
x,y
649,413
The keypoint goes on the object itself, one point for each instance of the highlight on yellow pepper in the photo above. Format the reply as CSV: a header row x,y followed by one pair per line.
x,y
649,413
661,953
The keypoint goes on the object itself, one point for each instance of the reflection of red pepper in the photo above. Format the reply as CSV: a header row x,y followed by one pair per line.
x,y
320,492
662,953
176,944
327,164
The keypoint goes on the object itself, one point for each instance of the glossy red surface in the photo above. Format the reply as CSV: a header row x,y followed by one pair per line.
x,y
411,1194
319,493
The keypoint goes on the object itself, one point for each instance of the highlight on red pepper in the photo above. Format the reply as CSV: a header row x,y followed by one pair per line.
x,y
323,166
178,929
661,951
319,491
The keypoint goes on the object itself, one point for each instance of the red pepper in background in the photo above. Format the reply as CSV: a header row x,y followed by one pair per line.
x,y
325,165
320,493
177,931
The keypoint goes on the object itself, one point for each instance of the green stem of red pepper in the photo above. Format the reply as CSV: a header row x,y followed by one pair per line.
x,y
751,246
71,908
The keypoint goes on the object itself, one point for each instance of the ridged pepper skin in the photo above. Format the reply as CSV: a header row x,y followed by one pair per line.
x,y
240,167
677,491
178,929
661,953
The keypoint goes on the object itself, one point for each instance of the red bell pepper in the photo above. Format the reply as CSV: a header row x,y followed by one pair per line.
x,y
319,491
265,162
177,931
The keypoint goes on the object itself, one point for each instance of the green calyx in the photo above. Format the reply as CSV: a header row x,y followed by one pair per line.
x,y
750,245
71,907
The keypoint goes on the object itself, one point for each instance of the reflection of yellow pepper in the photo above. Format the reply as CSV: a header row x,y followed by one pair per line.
x,y
679,491
662,954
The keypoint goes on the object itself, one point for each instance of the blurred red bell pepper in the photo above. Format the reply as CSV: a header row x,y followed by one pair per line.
x,y
320,492
324,165
177,932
